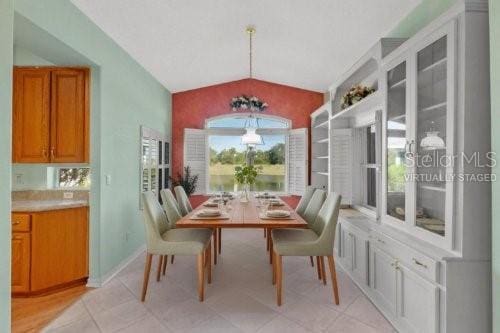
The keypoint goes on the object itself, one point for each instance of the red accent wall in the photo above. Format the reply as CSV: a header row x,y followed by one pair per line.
x,y
192,107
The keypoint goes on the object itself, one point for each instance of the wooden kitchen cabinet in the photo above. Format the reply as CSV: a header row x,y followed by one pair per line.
x,y
51,115
51,251
31,116
21,249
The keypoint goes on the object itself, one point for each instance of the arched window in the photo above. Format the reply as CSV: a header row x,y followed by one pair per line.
x,y
226,150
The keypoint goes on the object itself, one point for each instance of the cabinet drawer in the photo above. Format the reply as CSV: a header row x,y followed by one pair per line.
x,y
417,261
21,222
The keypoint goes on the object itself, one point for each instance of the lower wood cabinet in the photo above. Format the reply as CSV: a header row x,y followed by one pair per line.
x,y
49,249
21,250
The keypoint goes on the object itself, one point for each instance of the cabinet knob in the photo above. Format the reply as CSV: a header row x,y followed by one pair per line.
x,y
16,237
52,152
15,222
44,152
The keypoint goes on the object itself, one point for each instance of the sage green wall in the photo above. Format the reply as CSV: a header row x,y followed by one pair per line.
x,y
495,143
423,14
6,52
128,96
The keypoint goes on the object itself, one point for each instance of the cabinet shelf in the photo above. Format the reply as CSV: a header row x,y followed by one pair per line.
x,y
322,125
398,84
323,173
434,107
321,157
433,188
322,140
369,103
434,65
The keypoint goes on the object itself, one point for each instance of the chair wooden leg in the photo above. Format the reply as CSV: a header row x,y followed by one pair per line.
x,y
201,277
147,270
268,244
215,245
160,264
165,262
312,261
208,262
220,240
172,259
270,247
323,271
274,267
318,267
333,273
279,278
265,233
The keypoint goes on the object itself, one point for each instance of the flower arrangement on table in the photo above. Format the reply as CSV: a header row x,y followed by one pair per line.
x,y
354,95
251,103
246,175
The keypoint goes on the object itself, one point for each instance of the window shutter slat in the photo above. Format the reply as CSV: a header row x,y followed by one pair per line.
x,y
195,151
297,161
341,164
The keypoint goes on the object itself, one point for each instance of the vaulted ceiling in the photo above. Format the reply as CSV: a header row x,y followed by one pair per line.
x,y
188,44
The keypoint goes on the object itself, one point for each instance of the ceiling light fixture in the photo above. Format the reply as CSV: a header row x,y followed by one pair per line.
x,y
251,138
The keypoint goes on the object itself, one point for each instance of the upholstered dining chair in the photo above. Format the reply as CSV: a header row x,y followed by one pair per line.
x,y
309,215
183,200
162,240
317,241
173,212
304,201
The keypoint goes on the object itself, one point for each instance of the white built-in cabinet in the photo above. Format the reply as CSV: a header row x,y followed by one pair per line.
x,y
422,252
419,136
320,147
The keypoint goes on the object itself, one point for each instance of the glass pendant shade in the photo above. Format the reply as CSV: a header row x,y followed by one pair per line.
x,y
432,141
251,137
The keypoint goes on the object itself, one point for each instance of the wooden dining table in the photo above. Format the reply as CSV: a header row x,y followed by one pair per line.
x,y
243,215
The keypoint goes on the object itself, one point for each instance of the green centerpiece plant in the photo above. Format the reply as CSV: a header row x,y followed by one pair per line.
x,y
246,175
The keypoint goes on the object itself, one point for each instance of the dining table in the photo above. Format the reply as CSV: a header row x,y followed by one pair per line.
x,y
242,214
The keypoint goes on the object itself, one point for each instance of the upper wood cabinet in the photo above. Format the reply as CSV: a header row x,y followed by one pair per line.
x,y
51,115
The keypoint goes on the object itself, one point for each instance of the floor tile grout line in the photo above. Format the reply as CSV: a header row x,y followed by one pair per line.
x,y
91,316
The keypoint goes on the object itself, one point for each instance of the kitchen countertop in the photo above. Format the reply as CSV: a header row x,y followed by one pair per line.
x,y
45,205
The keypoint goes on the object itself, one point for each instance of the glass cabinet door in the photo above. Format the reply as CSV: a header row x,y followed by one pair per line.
x,y
430,143
396,143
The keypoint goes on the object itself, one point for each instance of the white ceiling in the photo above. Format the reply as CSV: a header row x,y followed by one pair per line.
x,y
188,44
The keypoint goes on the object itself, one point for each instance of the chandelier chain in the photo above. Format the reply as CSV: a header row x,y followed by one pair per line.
x,y
250,53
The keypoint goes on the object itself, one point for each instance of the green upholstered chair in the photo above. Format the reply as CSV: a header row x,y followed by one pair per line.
x,y
310,212
183,200
314,206
162,240
317,241
304,201
170,206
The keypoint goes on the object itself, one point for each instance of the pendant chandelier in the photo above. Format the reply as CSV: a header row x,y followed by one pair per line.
x,y
251,138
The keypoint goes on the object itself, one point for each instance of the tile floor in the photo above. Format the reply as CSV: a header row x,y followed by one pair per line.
x,y
241,298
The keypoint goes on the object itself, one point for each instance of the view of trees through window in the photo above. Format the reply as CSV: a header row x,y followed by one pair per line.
x,y
74,177
226,152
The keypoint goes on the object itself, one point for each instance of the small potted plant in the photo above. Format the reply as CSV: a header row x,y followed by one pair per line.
x,y
246,175
354,95
187,181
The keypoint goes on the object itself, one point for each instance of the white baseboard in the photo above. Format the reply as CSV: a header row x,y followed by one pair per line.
x,y
99,282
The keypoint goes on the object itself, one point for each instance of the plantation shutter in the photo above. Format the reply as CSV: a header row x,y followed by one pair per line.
x,y
297,161
195,152
341,164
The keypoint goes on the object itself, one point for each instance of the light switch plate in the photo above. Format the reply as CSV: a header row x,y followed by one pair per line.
x,y
68,195
108,179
